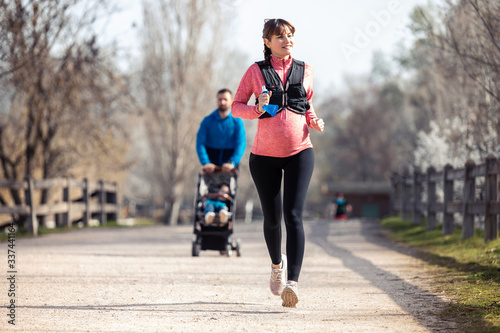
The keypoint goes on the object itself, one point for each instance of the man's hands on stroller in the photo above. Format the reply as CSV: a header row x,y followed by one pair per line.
x,y
227,167
210,167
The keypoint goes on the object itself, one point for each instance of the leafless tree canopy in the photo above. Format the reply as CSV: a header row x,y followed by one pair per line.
x,y
181,41
59,93
368,132
457,58
443,100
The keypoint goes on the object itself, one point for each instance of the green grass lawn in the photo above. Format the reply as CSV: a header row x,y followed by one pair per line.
x,y
467,272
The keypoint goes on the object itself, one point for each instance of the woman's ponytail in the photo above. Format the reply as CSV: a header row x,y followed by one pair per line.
x,y
267,55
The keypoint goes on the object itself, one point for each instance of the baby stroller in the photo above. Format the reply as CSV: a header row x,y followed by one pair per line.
x,y
215,235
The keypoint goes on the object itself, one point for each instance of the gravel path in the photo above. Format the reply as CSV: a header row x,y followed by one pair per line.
x,y
144,279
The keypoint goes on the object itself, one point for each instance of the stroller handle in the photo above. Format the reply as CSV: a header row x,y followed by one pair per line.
x,y
218,169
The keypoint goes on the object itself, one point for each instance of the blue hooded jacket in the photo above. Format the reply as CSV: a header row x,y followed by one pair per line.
x,y
220,140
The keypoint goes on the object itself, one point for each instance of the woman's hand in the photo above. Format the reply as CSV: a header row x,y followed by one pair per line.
x,y
318,124
264,100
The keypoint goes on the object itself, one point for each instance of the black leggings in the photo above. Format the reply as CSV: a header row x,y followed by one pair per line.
x,y
267,173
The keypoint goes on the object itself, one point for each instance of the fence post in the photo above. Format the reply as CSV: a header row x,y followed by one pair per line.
x,y
468,197
448,197
405,202
66,217
417,197
86,201
431,199
102,203
491,188
32,220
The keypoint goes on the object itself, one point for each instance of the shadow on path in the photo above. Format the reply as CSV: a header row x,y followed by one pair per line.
x,y
197,307
420,304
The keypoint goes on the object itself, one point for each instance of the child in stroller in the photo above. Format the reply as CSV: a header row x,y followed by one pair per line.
x,y
216,194
217,203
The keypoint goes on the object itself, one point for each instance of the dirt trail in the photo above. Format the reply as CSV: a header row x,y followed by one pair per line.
x,y
145,280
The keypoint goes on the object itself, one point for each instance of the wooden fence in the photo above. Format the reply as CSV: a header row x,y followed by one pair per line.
x,y
80,201
479,197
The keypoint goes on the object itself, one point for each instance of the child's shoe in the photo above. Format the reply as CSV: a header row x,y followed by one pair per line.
x,y
209,217
223,216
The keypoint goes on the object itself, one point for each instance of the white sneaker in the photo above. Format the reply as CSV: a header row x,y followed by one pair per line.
x,y
290,295
223,216
209,217
278,278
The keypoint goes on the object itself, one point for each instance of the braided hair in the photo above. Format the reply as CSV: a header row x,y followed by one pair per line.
x,y
274,27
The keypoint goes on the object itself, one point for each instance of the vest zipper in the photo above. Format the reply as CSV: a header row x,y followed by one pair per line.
x,y
285,94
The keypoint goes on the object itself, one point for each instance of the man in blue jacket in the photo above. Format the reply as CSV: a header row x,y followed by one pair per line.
x,y
221,139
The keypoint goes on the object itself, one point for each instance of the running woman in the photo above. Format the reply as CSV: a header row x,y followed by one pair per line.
x,y
282,149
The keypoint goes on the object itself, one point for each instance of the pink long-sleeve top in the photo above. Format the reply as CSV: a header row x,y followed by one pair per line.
x,y
285,134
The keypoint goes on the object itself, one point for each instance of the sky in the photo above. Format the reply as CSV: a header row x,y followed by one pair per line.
x,y
336,37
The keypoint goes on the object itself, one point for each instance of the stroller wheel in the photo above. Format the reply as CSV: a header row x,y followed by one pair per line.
x,y
238,247
229,250
196,249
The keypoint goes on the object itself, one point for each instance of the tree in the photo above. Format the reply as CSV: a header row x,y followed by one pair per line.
x,y
370,129
61,93
182,44
457,63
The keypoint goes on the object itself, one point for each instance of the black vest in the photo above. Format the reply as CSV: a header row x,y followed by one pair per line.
x,y
292,97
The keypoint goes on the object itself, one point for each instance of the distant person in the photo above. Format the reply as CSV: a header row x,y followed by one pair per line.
x,y
217,203
221,139
282,150
340,207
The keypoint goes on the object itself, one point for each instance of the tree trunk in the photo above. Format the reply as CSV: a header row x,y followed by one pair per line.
x,y
174,212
